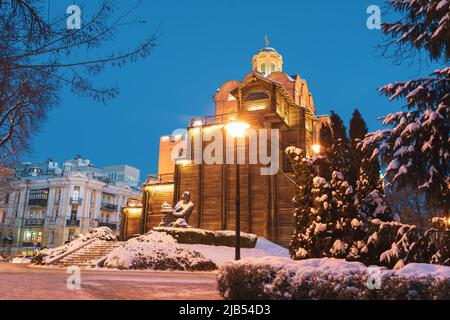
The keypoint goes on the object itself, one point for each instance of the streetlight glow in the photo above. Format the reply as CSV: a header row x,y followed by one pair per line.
x,y
316,148
237,128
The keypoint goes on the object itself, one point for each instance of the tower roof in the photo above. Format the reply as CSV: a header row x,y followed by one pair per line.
x,y
267,60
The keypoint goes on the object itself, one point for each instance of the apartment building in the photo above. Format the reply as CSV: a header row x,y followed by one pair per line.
x,y
46,205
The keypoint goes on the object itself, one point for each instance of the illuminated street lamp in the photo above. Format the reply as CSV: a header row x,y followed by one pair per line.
x,y
316,148
237,129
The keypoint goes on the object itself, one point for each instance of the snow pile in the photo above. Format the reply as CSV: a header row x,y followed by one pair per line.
x,y
45,256
329,278
157,251
423,270
221,254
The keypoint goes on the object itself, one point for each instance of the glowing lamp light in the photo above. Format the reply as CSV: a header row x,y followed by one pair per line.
x,y
198,123
183,162
316,148
237,128
134,211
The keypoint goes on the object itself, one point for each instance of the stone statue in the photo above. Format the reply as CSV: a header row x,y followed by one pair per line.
x,y
178,217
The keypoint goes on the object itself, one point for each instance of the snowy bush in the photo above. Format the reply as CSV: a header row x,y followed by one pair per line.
x,y
284,279
208,237
102,234
157,251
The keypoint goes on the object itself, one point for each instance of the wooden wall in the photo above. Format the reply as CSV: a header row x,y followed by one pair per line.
x,y
155,196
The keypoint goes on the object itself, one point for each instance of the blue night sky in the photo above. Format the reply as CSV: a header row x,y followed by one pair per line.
x,y
205,43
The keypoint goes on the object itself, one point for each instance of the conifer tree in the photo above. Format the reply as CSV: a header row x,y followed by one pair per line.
x,y
321,232
349,225
337,155
415,146
326,142
357,132
304,174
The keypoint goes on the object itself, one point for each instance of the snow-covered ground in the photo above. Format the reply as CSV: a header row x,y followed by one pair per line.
x,y
220,255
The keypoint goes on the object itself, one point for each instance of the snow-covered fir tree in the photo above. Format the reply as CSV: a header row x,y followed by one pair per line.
x,y
337,154
415,147
350,226
304,174
370,197
321,232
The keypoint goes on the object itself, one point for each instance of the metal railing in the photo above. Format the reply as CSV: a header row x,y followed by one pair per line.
x,y
108,206
76,201
112,226
34,222
212,120
72,223
38,202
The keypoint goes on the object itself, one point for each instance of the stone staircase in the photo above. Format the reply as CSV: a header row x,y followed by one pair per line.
x,y
89,255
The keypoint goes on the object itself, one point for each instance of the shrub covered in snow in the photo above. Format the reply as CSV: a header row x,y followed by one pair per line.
x,y
157,251
208,237
284,279
101,233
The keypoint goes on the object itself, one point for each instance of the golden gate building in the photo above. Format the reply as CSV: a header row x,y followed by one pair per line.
x,y
266,98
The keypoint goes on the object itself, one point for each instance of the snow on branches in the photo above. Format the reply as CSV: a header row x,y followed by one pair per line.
x,y
416,147
425,24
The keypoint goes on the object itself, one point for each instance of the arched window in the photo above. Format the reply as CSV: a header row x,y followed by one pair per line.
x,y
272,67
263,68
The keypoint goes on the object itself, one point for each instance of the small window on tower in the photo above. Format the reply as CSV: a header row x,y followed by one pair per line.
x,y
272,67
263,68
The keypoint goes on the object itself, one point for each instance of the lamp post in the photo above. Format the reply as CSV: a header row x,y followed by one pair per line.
x,y
237,129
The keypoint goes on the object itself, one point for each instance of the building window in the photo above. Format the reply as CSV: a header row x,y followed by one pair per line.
x,y
263,68
272,67
32,236
76,194
57,196
72,235
7,198
51,237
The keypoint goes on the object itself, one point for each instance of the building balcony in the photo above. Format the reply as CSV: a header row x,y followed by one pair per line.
x,y
108,206
211,120
38,202
34,222
112,226
75,201
72,223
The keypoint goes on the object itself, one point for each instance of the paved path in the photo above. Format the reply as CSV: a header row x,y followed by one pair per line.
x,y
26,282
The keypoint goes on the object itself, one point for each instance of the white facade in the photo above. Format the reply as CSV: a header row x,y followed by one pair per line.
x,y
51,210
